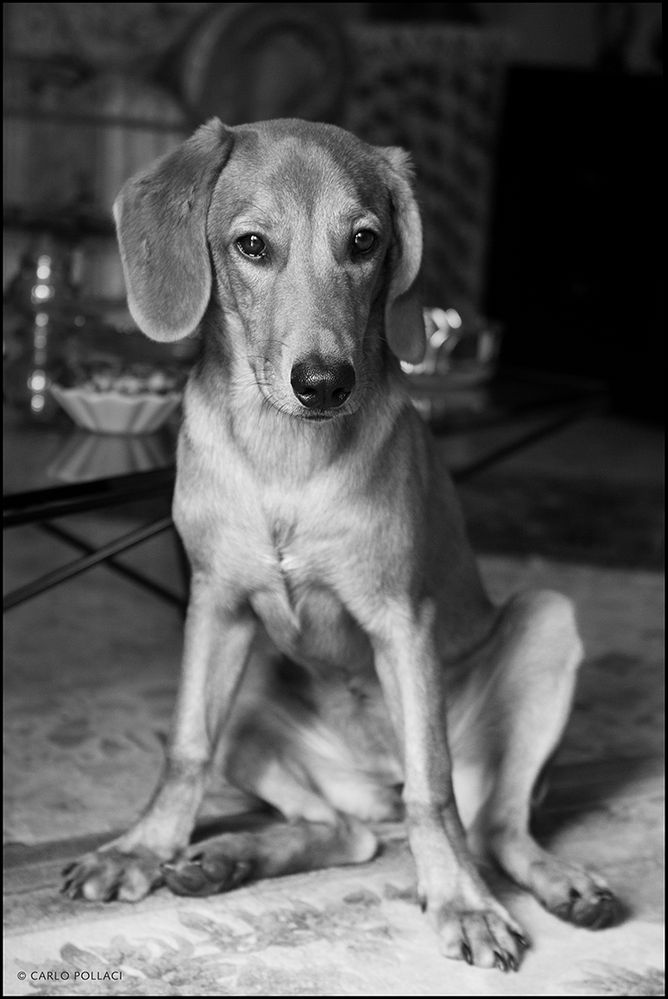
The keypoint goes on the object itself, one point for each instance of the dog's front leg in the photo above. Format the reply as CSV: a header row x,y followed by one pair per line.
x,y
216,648
470,922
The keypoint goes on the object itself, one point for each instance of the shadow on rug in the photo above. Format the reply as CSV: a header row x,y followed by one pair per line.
x,y
572,520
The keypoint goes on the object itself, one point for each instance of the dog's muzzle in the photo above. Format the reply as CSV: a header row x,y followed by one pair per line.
x,y
322,385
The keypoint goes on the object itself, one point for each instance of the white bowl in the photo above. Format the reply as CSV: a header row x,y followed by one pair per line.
x,y
114,412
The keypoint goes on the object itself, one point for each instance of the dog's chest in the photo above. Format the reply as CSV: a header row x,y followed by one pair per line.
x,y
279,547
297,600
285,596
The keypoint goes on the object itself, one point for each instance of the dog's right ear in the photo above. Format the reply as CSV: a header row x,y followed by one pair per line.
x,y
160,219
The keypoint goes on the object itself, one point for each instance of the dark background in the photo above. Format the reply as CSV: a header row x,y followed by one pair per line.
x,y
574,255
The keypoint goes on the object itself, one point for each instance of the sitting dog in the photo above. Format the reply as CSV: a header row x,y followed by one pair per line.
x,y
341,656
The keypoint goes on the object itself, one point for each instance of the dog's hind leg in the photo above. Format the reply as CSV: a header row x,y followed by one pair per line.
x,y
314,836
228,860
282,752
526,691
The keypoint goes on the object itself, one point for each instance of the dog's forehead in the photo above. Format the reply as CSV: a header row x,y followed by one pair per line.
x,y
309,167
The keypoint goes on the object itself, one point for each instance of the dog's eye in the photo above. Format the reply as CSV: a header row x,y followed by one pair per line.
x,y
252,245
364,240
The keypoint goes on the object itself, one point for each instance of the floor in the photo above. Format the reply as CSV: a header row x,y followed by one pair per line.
x,y
87,704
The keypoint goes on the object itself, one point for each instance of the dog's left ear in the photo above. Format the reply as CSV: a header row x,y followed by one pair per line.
x,y
404,321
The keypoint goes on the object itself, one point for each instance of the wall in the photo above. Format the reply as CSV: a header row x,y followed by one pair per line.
x,y
566,34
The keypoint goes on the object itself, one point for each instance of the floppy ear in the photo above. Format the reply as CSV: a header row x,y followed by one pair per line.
x,y
160,219
404,322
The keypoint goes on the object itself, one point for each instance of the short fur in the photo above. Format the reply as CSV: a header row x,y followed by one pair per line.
x,y
342,660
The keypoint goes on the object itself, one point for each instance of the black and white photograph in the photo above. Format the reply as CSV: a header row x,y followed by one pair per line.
x,y
333,478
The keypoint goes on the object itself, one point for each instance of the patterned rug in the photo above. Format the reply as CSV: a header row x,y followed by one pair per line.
x,y
350,932
84,738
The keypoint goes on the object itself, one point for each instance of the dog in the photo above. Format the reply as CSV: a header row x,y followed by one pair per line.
x,y
342,660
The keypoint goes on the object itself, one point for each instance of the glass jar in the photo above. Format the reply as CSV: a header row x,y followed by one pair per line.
x,y
40,312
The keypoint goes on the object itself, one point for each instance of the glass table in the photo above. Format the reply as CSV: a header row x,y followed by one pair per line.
x,y
54,470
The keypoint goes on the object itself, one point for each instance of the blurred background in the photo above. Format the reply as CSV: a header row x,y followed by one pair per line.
x,y
533,126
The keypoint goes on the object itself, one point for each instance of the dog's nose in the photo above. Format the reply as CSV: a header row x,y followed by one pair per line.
x,y
322,385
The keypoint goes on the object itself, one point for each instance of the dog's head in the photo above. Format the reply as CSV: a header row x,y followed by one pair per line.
x,y
305,238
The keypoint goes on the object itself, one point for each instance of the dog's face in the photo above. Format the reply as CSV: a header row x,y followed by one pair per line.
x,y
314,240
300,243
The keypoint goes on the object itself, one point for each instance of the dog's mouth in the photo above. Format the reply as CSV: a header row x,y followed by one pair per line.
x,y
310,417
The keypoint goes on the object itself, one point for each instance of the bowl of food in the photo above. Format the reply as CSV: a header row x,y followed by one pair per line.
x,y
113,396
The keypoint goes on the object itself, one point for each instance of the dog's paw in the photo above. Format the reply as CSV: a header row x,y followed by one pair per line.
x,y
486,937
573,894
205,873
107,875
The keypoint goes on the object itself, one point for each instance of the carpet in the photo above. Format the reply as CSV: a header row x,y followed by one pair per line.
x,y
86,714
349,932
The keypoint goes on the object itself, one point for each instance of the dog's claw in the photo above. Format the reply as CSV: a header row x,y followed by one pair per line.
x,y
501,961
466,953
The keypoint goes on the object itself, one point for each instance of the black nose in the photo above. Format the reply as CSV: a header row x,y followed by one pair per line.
x,y
319,384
